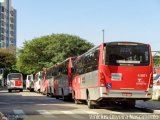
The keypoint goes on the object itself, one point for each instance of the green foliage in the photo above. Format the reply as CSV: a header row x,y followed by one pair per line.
x,y
156,60
7,59
48,50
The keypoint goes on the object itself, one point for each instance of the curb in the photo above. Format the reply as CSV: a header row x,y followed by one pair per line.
x,y
3,88
156,111
148,110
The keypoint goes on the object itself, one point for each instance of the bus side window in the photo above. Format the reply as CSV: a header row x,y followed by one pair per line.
x,y
91,61
95,60
79,66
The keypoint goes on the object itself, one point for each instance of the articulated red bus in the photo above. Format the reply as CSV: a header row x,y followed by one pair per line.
x,y
114,71
59,79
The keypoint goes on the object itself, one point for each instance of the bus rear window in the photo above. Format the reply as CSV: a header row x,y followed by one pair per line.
x,y
14,76
135,55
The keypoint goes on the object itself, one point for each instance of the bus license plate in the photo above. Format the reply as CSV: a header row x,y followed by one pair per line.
x,y
126,94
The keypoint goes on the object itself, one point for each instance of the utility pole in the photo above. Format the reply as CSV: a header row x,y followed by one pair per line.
x,y
103,35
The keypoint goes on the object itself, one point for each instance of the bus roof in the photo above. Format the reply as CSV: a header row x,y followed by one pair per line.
x,y
124,43
113,43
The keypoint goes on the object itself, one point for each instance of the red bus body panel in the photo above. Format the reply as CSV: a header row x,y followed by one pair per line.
x,y
133,78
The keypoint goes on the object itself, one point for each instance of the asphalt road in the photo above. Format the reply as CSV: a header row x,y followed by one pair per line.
x,y
34,106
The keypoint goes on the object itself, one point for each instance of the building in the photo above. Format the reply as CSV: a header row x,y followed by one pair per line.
x,y
8,25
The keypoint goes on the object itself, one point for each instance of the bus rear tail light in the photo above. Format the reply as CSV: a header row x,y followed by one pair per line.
x,y
102,80
149,94
105,93
151,82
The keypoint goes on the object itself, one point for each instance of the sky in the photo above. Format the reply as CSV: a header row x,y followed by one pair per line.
x,y
122,20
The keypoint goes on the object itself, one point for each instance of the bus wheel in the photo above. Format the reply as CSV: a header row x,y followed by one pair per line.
x,y
76,101
21,90
57,97
90,102
9,90
31,90
64,98
52,95
48,94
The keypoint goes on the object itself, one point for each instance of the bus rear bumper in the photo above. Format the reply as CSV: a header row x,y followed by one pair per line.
x,y
125,94
15,88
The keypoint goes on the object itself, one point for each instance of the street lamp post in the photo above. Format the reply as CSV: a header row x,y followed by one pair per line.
x,y
103,35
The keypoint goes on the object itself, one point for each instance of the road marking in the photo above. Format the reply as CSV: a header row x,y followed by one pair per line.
x,y
72,114
18,112
67,112
3,103
91,112
24,102
45,113
114,112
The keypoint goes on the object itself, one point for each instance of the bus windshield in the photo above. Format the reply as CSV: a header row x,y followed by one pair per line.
x,y
135,55
14,76
29,77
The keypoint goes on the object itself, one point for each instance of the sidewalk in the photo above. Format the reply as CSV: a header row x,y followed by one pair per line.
x,y
3,88
151,105
2,117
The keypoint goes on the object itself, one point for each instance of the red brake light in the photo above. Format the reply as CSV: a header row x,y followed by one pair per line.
x,y
102,80
151,82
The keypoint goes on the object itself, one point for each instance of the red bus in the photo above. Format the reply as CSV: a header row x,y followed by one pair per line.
x,y
116,71
59,79
43,82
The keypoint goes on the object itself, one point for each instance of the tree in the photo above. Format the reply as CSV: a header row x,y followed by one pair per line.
x,y
7,59
156,58
49,50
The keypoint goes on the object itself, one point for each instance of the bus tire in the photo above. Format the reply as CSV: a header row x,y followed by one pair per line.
x,y
52,95
64,98
57,97
89,102
21,90
9,90
31,90
76,101
48,95
39,91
